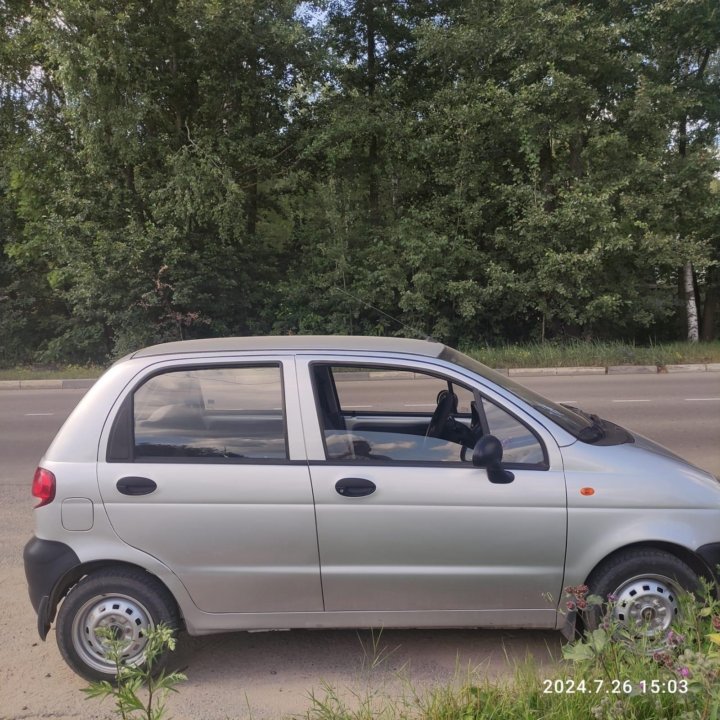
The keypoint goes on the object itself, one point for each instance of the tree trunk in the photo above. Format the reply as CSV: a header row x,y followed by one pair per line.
x,y
710,308
693,334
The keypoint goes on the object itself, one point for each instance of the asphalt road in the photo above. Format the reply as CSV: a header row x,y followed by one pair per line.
x,y
271,674
680,411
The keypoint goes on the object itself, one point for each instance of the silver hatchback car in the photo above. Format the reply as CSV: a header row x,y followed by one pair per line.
x,y
328,482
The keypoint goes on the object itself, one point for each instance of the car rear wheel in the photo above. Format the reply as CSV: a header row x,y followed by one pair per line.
x,y
125,601
643,589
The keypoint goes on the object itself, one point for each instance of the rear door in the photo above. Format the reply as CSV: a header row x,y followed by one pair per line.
x,y
205,469
432,533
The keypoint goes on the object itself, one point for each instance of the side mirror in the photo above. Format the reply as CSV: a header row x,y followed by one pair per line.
x,y
488,453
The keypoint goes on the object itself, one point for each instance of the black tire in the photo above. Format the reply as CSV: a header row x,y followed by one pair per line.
x,y
645,585
128,600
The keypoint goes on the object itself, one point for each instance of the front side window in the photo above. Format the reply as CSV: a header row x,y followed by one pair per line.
x,y
567,418
388,414
229,412
520,445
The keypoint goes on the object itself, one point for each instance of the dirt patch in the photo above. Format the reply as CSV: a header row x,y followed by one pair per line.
x,y
256,675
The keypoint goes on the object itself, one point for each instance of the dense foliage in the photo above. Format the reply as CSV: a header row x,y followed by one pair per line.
x,y
484,170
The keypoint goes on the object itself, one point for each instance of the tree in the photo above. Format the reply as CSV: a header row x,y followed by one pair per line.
x,y
478,171
160,221
681,43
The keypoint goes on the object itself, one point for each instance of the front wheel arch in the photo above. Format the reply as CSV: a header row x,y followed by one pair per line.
x,y
691,559
646,582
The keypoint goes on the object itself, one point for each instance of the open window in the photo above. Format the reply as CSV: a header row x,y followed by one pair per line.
x,y
386,414
390,414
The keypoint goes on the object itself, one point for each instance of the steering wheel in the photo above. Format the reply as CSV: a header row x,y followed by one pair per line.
x,y
447,405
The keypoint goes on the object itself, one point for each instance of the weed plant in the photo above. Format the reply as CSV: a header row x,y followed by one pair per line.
x,y
607,673
140,692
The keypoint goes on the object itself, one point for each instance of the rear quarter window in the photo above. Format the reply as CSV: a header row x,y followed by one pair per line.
x,y
230,413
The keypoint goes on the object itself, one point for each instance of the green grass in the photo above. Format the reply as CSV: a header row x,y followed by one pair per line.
x,y
524,355
576,353
67,372
607,674
526,698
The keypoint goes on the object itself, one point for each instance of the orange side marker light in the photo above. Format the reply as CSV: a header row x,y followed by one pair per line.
x,y
587,491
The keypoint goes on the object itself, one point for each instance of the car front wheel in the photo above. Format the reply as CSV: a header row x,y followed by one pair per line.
x,y
122,601
643,588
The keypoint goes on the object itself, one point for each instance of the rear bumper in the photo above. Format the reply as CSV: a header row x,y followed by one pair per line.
x,y
46,562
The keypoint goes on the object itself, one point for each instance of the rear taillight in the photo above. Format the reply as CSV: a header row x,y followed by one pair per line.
x,y
43,486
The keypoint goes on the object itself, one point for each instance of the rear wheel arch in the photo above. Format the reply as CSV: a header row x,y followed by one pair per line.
x,y
72,577
123,600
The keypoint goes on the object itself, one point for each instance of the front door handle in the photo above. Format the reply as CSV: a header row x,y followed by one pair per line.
x,y
355,487
136,486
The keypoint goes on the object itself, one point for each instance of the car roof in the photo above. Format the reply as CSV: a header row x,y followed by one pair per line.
x,y
290,343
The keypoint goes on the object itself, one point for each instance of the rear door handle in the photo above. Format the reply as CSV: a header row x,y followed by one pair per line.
x,y
136,485
354,487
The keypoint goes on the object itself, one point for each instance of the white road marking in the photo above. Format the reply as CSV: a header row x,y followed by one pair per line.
x,y
625,401
419,405
37,414
700,399
362,406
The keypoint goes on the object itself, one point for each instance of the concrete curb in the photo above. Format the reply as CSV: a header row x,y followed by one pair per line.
x,y
633,369
539,372
70,384
85,383
612,370
78,384
41,384
685,368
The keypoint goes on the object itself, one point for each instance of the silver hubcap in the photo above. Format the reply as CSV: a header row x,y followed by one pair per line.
x,y
127,620
648,603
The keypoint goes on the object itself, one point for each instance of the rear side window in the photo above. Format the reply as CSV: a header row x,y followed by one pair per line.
x,y
233,413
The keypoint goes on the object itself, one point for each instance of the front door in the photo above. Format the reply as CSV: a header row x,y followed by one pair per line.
x,y
200,472
405,521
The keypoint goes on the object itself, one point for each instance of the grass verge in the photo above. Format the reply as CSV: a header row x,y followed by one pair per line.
x,y
525,355
610,673
66,372
577,354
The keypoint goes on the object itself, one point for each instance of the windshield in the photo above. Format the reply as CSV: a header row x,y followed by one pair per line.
x,y
572,421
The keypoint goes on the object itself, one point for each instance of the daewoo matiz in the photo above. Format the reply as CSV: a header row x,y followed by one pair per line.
x,y
328,482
